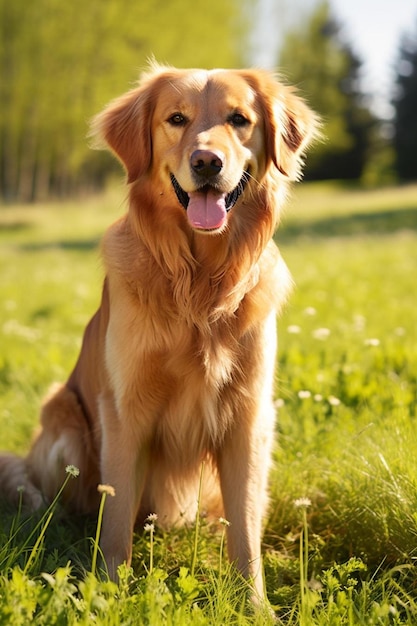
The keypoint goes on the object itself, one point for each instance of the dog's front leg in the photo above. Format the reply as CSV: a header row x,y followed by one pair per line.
x,y
243,467
124,463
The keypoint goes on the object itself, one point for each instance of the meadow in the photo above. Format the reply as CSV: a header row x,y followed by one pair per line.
x,y
340,541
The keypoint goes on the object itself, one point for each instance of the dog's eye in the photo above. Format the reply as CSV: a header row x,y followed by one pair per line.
x,y
177,119
238,120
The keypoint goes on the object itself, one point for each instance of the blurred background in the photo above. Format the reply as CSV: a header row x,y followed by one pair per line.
x,y
355,62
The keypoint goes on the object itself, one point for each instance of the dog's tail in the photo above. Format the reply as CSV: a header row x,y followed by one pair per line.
x,y
15,484
64,440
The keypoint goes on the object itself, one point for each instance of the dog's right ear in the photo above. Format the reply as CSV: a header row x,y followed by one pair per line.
x,y
289,124
125,126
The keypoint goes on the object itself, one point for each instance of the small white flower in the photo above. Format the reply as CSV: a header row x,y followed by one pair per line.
x,y
373,341
74,471
321,333
149,528
224,522
294,329
359,322
303,394
279,403
152,517
310,311
318,397
14,328
302,502
333,401
107,489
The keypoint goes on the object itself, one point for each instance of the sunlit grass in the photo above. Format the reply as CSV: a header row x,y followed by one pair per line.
x,y
346,396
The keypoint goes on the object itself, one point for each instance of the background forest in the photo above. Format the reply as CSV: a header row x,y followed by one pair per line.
x,y
62,62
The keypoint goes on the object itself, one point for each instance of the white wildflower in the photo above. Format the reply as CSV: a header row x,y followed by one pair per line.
x,y
359,322
303,394
149,528
321,333
74,471
13,327
310,311
373,341
302,502
107,489
294,329
333,401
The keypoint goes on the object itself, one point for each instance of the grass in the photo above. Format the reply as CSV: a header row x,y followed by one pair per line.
x,y
341,537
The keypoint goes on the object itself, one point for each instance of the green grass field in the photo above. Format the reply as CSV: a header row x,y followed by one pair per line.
x,y
341,539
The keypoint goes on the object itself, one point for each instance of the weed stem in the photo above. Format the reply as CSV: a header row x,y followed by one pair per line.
x,y
197,522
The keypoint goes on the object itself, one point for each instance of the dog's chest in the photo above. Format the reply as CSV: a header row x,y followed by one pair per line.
x,y
178,375
193,410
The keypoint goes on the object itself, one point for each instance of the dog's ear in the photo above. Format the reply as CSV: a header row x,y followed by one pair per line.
x,y
125,126
294,127
289,124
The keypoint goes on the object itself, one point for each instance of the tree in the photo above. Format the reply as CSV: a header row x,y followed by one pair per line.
x,y
405,106
61,62
326,70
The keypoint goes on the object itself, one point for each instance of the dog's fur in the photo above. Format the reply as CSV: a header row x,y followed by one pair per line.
x,y
176,366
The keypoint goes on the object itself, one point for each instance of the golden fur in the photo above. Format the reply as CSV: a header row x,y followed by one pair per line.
x,y
176,366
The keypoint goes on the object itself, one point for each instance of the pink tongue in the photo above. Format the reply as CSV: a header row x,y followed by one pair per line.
x,y
206,210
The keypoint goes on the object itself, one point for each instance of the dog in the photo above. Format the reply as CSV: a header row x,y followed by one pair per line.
x,y
176,369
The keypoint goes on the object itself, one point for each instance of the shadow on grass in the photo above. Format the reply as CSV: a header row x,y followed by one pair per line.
x,y
371,223
14,227
77,245
346,225
66,539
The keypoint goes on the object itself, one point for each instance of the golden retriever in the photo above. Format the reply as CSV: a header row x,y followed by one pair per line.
x,y
176,368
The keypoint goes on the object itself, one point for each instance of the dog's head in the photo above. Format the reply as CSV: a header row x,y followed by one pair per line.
x,y
206,136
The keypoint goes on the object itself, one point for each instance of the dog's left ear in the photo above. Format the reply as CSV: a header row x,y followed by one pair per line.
x,y
293,128
289,124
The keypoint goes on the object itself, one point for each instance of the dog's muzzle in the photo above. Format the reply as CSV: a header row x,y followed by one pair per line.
x,y
206,207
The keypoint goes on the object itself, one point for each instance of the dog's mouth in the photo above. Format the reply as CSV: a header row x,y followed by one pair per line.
x,y
206,207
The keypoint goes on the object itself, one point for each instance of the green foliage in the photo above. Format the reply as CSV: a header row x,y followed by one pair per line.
x,y
61,62
324,67
405,104
346,394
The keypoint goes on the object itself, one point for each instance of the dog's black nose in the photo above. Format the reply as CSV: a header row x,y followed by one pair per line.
x,y
206,163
